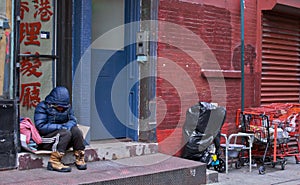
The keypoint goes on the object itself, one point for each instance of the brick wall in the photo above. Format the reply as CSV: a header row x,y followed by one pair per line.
x,y
219,27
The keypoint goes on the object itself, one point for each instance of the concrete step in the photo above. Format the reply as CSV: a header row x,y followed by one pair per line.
x,y
211,176
134,161
152,169
101,150
113,149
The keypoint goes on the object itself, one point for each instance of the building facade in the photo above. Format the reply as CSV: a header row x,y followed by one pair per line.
x,y
9,128
265,33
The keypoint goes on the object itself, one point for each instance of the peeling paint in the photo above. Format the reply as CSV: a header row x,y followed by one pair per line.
x,y
139,150
26,162
91,155
114,157
109,151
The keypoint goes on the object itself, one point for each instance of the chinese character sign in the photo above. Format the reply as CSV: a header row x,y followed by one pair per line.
x,y
36,74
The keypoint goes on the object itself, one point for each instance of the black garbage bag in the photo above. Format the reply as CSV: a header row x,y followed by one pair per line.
x,y
202,127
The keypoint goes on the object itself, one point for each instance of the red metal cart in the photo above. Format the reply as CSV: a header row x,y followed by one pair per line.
x,y
276,130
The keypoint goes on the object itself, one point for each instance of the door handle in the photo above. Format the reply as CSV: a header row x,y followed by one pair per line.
x,y
38,56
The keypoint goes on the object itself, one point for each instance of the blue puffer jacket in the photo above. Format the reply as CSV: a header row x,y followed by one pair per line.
x,y
47,119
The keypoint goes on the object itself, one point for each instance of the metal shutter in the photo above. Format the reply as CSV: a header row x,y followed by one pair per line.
x,y
280,80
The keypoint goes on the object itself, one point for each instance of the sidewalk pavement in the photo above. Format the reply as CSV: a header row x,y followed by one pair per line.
x,y
273,176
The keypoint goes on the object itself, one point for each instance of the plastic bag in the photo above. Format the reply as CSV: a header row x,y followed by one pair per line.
x,y
202,127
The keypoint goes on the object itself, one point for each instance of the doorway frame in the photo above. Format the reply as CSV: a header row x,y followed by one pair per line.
x,y
81,29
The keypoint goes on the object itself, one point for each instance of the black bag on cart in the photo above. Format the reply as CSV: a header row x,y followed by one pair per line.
x,y
202,127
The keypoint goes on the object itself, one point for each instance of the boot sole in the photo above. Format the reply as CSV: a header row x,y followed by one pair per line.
x,y
49,167
81,167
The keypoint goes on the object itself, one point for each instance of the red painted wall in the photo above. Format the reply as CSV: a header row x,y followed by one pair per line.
x,y
217,23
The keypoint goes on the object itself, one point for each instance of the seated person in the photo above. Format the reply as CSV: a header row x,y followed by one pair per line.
x,y
55,116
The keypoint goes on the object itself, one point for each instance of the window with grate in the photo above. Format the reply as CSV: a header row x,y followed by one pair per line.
x,y
280,80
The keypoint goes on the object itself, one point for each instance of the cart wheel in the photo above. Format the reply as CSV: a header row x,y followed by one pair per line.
x,y
238,164
273,164
297,161
283,163
262,170
245,161
253,161
221,167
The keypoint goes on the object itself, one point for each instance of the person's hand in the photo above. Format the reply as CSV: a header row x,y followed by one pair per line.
x,y
67,127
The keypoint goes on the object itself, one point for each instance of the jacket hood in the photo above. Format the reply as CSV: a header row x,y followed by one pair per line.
x,y
59,96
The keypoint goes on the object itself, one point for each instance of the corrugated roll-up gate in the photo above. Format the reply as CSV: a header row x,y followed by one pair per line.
x,y
280,80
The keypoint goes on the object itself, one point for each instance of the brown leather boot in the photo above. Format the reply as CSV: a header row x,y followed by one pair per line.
x,y
55,164
79,160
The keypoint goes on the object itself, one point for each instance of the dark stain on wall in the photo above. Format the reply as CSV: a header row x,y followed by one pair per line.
x,y
249,57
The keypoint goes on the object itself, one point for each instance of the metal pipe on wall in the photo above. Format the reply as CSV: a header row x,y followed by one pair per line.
x,y
242,4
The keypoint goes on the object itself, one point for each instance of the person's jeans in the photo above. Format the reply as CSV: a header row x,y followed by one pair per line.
x,y
67,139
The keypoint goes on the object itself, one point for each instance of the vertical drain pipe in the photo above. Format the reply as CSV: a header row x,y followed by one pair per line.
x,y
242,69
242,55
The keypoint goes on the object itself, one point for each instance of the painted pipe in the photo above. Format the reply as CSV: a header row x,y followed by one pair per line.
x,y
242,55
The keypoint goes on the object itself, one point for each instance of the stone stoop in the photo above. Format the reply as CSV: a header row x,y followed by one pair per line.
x,y
120,150
96,151
157,169
28,160
126,153
152,169
211,176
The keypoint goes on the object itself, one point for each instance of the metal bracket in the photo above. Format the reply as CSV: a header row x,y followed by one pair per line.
x,y
38,56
